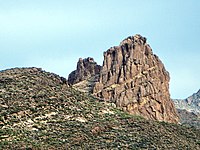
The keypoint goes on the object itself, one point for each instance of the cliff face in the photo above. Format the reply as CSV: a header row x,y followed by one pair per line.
x,y
135,79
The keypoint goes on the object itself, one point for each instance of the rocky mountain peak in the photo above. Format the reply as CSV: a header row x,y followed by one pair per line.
x,y
134,39
189,109
195,98
85,69
191,104
135,80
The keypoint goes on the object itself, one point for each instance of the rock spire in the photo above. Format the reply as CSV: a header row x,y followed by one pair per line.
x,y
134,79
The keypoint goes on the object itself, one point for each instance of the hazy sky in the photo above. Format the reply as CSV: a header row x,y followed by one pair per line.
x,y
53,34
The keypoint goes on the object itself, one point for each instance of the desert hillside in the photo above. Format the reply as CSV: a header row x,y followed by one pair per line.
x,y
38,110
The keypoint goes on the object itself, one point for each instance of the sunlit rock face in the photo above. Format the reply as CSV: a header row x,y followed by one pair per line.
x,y
134,79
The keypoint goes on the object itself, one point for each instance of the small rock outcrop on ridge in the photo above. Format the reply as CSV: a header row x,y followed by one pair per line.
x,y
86,68
135,79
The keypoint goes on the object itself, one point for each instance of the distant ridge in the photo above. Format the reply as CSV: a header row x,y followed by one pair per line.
x,y
191,104
189,109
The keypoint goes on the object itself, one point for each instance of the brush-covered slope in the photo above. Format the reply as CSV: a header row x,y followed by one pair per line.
x,y
39,111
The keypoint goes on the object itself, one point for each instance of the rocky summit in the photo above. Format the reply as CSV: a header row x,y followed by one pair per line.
x,y
134,79
86,68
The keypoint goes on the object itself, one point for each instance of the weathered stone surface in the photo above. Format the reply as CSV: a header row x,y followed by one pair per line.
x,y
86,68
135,79
132,78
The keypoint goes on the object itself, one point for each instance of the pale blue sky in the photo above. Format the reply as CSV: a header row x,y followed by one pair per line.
x,y
53,34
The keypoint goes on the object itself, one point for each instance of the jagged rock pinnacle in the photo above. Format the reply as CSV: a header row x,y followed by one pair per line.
x,y
135,80
86,68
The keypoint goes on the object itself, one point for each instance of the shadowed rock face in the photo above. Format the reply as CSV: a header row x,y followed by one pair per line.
x,y
86,68
135,79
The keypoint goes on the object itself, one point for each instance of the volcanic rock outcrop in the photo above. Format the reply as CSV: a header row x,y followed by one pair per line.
x,y
86,68
135,79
